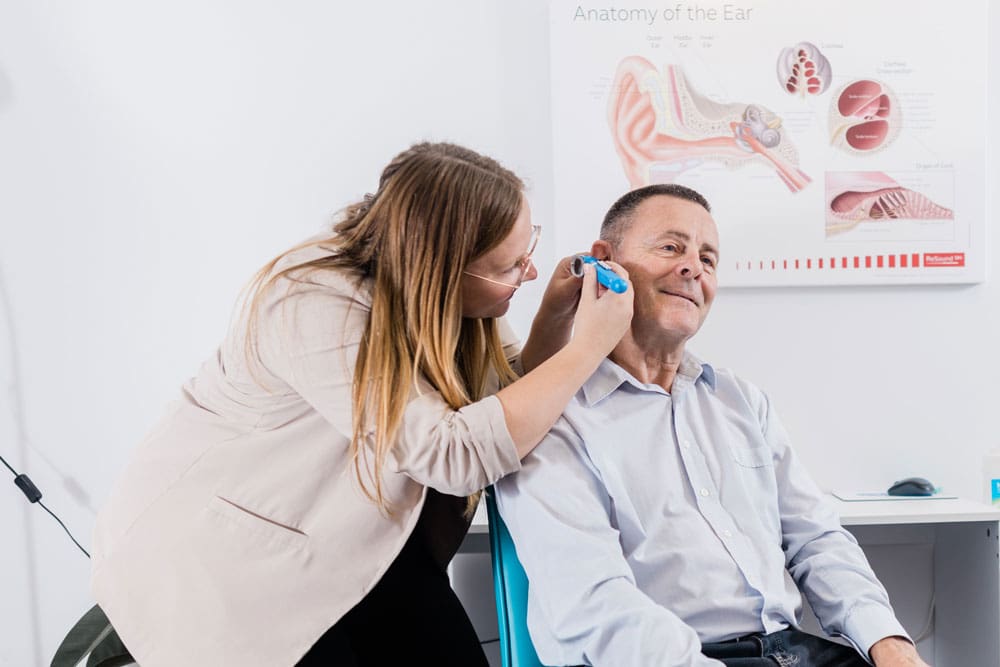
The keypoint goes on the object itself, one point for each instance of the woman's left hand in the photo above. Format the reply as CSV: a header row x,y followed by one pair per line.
x,y
553,323
562,295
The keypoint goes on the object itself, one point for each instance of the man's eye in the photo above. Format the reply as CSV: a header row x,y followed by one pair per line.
x,y
670,247
708,261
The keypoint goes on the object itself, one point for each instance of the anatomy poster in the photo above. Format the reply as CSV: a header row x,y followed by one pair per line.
x,y
837,143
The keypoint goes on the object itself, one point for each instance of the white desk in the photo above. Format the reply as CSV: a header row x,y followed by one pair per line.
x,y
960,537
953,542
916,510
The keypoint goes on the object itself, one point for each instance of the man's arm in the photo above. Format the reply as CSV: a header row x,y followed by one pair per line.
x,y
584,606
895,652
822,557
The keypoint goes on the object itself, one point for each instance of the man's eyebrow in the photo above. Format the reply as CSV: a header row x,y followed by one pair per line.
x,y
673,234
684,236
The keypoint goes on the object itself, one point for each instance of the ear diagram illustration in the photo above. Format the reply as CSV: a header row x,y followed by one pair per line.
x,y
803,70
662,127
856,197
864,117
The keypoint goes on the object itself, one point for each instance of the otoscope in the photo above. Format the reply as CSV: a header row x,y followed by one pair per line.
x,y
605,274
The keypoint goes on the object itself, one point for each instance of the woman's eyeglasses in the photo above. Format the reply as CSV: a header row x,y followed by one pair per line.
x,y
523,264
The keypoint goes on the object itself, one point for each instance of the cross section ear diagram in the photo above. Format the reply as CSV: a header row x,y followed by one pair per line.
x,y
865,117
661,127
858,197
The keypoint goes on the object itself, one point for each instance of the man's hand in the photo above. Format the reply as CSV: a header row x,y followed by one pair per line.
x,y
895,652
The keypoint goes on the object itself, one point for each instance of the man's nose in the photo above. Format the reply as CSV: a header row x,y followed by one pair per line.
x,y
690,267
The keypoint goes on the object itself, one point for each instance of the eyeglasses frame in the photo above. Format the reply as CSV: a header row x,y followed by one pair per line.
x,y
524,262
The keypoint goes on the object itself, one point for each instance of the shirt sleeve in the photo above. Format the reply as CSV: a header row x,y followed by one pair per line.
x,y
822,557
309,337
584,605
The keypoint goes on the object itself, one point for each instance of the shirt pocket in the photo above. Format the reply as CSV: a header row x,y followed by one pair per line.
x,y
749,456
249,525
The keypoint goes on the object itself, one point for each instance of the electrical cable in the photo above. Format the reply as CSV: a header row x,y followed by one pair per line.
x,y
33,495
13,472
929,624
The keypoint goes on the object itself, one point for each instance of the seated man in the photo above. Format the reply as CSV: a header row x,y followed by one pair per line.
x,y
665,517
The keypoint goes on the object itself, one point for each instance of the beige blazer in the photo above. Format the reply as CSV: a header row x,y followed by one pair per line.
x,y
238,533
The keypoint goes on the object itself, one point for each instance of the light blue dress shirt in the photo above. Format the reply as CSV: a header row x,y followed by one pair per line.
x,y
649,522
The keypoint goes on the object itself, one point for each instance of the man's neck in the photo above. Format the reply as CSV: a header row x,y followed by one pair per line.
x,y
649,361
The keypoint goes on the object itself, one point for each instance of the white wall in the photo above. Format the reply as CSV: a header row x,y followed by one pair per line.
x,y
153,155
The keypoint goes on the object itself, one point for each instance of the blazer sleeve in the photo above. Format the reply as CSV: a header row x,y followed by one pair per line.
x,y
309,337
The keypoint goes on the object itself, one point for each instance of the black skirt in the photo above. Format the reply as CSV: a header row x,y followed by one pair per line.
x,y
412,616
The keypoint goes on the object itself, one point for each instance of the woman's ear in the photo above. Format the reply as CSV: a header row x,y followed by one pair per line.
x,y
601,250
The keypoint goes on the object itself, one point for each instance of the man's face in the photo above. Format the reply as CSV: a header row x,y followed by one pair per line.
x,y
671,251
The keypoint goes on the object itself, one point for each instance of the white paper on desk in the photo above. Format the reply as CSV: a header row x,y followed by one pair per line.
x,y
854,496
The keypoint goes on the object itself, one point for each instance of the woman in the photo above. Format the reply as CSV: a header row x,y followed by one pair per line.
x,y
301,499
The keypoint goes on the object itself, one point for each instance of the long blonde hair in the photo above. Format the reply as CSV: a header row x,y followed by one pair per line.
x,y
438,206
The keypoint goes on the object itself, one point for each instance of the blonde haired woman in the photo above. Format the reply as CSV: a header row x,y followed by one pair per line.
x,y
299,502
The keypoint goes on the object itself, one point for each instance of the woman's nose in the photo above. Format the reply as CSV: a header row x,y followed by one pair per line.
x,y
531,273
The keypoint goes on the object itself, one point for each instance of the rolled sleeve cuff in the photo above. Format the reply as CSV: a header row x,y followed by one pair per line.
x,y
867,624
489,426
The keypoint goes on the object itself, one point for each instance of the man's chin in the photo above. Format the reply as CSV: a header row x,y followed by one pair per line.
x,y
684,326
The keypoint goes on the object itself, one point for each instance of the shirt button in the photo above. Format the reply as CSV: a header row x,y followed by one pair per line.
x,y
704,492
686,444
727,533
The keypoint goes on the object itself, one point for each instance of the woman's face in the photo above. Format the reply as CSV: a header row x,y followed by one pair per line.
x,y
491,279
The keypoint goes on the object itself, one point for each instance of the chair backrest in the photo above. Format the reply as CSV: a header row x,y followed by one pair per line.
x,y
510,585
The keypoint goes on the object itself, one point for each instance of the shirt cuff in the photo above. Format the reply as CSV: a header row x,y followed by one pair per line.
x,y
867,624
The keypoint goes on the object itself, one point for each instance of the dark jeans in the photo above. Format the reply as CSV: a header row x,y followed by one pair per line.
x,y
784,648
411,617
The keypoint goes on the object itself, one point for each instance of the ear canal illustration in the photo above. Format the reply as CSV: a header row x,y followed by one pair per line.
x,y
662,127
854,198
864,117
803,70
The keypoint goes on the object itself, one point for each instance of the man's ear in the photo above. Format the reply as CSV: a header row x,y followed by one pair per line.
x,y
601,250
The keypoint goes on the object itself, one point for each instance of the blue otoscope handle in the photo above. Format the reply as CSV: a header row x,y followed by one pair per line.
x,y
605,274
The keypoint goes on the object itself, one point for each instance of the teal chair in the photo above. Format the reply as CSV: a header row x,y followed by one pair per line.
x,y
510,586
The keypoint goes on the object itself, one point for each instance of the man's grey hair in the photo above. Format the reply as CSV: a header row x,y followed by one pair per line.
x,y
619,216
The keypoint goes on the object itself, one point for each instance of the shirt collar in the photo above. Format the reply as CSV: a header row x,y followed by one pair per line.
x,y
609,376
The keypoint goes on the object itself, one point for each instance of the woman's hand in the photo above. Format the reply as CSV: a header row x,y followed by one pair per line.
x,y
556,370
605,321
553,324
603,316
562,295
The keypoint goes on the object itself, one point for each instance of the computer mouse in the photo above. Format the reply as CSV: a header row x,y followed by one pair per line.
x,y
912,486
